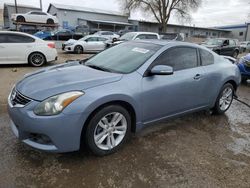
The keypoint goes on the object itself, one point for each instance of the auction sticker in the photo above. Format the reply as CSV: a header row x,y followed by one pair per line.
x,y
140,50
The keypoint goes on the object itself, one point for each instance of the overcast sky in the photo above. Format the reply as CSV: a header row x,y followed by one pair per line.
x,y
211,13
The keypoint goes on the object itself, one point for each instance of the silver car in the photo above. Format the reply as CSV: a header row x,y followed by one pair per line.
x,y
101,100
89,43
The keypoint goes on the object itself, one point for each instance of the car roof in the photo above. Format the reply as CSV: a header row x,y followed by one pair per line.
x,y
96,36
15,32
139,32
167,42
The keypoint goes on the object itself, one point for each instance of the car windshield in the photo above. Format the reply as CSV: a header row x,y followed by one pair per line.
x,y
84,38
128,36
214,41
123,58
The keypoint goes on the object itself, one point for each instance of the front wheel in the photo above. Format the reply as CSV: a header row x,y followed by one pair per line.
x,y
108,130
224,99
235,54
78,49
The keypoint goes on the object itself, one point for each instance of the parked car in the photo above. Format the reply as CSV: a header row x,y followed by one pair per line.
x,y
90,43
122,89
173,36
22,48
124,31
223,46
35,17
107,34
63,35
245,46
244,66
133,36
44,34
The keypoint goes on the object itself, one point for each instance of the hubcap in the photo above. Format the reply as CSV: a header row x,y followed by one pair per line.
x,y
37,59
110,131
226,98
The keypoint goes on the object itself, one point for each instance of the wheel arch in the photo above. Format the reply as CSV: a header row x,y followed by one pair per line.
x,y
234,84
80,46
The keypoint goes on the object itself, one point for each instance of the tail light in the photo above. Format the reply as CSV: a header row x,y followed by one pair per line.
x,y
51,45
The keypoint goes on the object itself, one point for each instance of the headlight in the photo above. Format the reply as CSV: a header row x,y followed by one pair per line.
x,y
69,44
56,104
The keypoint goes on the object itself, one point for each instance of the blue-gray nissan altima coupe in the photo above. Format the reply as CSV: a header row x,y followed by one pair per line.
x,y
101,100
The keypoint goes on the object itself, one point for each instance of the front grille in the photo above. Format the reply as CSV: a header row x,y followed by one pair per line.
x,y
17,99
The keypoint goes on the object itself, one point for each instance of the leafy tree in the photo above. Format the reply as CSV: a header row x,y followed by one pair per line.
x,y
163,9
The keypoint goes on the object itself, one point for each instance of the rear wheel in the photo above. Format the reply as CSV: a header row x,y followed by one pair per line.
x,y
108,130
78,49
235,54
20,19
50,21
36,59
224,99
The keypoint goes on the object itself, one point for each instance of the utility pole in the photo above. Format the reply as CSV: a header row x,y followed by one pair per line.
x,y
16,6
16,12
41,5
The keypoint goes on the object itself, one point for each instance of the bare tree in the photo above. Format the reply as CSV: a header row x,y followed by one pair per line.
x,y
163,9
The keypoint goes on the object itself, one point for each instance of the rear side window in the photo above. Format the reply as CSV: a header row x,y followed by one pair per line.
x,y
206,57
179,58
15,38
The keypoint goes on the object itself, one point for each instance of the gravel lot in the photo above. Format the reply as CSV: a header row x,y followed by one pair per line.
x,y
197,150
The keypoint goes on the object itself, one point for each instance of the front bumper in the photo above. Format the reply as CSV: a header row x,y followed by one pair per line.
x,y
60,133
67,48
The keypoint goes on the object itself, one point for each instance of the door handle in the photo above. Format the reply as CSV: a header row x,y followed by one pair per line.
x,y
197,77
1,46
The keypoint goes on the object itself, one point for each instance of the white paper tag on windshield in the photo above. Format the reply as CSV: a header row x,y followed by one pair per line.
x,y
140,50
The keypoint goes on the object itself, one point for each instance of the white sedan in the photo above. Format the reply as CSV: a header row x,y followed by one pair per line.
x,y
35,17
22,48
90,43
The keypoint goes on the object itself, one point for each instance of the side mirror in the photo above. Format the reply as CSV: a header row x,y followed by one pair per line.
x,y
162,70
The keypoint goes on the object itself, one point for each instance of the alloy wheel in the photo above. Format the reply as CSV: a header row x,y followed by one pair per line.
x,y
226,99
110,131
37,59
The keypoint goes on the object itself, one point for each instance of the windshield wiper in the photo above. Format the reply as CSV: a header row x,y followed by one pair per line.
x,y
99,68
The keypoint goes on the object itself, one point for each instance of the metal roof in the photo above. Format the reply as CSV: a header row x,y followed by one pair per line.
x,y
107,22
238,26
21,6
175,25
84,9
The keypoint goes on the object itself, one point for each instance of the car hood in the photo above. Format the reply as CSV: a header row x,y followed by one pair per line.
x,y
63,78
70,41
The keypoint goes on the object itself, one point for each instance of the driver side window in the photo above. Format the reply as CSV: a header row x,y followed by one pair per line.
x,y
179,58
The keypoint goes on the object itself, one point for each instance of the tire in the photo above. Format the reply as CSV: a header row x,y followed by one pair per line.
x,y
99,131
36,59
235,54
50,21
20,19
78,49
243,79
224,100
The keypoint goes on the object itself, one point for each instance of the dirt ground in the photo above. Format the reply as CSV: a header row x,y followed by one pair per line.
x,y
197,150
